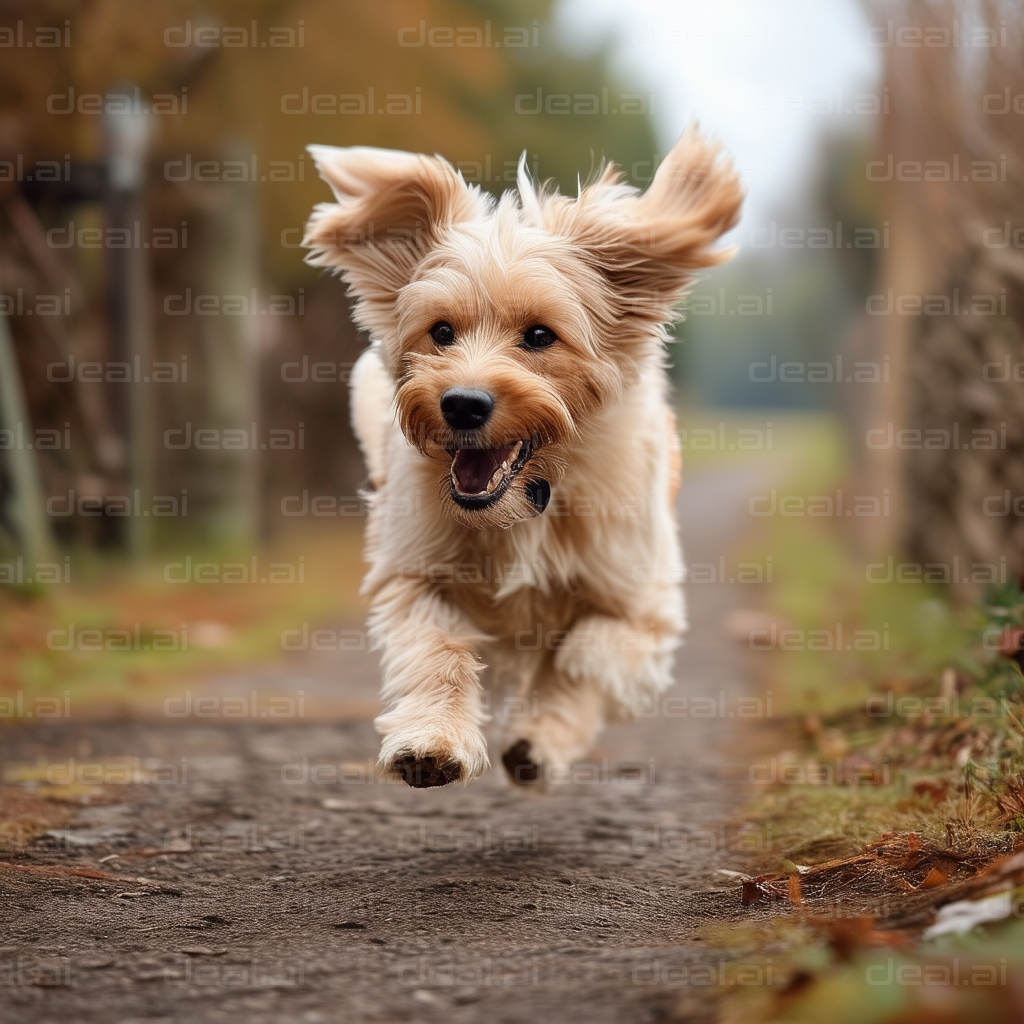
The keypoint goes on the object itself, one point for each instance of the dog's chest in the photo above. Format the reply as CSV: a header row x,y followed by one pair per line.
x,y
508,583
506,615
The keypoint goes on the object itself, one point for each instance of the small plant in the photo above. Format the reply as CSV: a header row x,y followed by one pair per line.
x,y
999,650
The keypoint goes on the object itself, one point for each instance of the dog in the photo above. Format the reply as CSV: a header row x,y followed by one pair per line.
x,y
523,460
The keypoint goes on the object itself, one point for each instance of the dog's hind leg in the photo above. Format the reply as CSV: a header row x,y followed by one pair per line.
x,y
557,722
608,669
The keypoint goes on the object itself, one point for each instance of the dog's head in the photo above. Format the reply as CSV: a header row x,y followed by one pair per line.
x,y
509,325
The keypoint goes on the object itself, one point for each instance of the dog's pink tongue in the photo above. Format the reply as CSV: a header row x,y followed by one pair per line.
x,y
474,467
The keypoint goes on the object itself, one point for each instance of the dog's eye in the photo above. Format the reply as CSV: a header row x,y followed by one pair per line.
x,y
443,333
538,337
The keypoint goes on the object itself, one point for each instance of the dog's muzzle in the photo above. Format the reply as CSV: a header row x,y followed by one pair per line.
x,y
480,476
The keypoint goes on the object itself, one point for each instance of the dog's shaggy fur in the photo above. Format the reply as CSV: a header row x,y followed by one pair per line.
x,y
563,568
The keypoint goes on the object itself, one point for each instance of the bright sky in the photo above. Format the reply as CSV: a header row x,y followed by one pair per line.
x,y
763,76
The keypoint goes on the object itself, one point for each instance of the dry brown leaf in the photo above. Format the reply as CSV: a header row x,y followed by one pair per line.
x,y
934,878
752,892
793,891
55,871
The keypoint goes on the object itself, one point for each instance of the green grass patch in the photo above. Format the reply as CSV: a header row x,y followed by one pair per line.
x,y
120,634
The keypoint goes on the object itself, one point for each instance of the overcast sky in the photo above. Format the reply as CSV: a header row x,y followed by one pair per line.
x,y
762,76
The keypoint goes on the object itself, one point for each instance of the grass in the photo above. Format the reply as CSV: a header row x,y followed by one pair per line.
x,y
775,439
846,973
151,631
898,721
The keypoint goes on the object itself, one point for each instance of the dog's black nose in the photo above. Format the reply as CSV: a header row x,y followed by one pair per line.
x,y
466,408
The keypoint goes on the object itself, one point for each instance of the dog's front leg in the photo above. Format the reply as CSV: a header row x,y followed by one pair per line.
x,y
433,710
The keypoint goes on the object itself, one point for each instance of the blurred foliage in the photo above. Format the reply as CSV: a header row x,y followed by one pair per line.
x,y
462,97
807,294
845,972
227,624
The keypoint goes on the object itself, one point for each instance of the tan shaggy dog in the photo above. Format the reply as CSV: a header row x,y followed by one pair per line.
x,y
523,458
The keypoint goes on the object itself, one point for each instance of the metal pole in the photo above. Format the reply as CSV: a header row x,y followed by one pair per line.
x,y
127,124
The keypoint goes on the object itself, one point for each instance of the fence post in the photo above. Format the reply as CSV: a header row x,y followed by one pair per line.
x,y
230,353
27,510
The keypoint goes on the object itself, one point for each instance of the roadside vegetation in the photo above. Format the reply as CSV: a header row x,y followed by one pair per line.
x,y
892,777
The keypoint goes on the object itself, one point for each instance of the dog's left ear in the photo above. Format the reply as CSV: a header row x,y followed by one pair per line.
x,y
649,245
392,208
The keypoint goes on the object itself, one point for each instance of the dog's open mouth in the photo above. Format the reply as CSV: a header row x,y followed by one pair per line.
x,y
480,476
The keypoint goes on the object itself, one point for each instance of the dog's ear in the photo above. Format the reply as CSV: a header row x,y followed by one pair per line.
x,y
649,244
392,208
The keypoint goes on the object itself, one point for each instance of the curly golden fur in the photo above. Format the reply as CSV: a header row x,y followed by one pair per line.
x,y
564,574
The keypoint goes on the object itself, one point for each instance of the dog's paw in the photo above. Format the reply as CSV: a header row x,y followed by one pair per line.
x,y
538,764
539,751
630,663
521,768
426,772
425,757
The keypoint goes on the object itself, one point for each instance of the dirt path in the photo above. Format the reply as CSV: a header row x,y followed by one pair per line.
x,y
280,882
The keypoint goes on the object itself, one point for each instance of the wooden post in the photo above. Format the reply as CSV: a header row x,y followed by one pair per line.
x,y
27,508
230,355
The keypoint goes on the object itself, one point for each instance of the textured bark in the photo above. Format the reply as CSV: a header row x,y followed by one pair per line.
x,y
950,241
960,497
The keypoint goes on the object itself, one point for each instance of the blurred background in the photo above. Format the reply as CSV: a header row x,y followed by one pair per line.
x,y
181,520
173,378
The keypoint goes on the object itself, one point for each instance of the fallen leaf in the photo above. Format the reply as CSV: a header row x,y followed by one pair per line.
x,y
794,893
933,878
752,892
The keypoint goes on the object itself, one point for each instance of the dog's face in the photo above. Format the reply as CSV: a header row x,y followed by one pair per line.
x,y
508,326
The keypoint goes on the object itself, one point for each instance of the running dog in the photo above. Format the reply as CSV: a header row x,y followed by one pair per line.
x,y
523,459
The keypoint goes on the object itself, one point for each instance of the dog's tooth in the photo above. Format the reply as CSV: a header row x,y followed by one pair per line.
x,y
504,465
496,478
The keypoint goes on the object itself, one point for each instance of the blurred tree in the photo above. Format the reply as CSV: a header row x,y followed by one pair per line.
x,y
477,82
956,343
238,91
